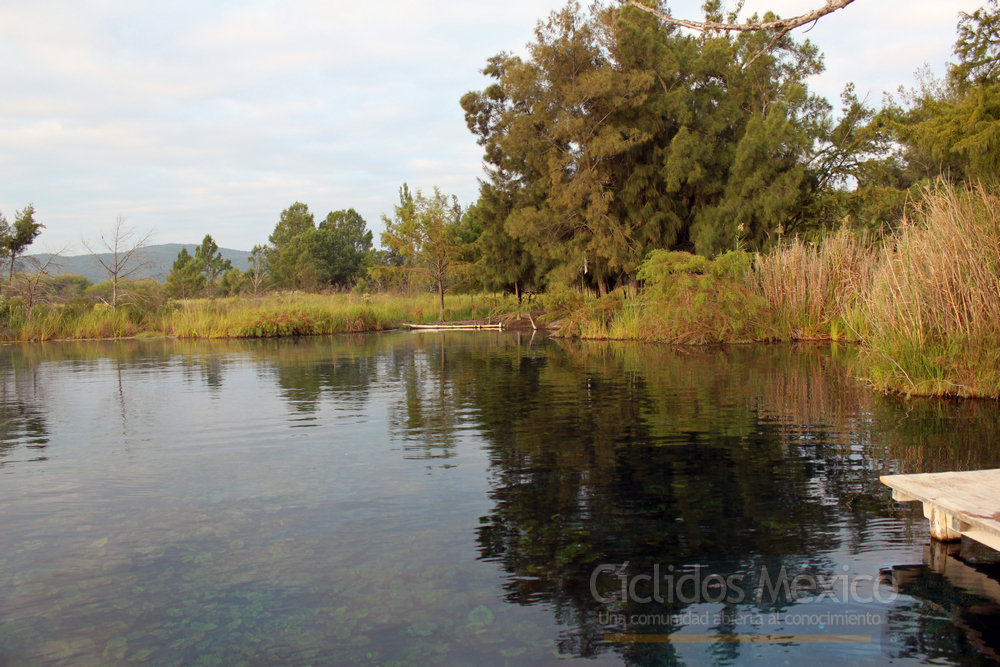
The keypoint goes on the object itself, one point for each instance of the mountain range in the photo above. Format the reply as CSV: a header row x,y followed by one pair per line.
x,y
160,258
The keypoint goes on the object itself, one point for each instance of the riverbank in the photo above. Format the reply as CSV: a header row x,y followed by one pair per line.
x,y
924,301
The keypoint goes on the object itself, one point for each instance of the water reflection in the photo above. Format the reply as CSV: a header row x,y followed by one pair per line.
x,y
452,496
23,427
956,603
731,461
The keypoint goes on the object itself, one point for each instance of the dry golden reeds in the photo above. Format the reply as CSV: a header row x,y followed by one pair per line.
x,y
810,286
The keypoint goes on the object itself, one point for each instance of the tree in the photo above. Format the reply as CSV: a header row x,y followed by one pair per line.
x,y
257,275
15,240
951,128
347,246
34,285
187,276
233,281
123,256
209,260
294,220
289,260
501,262
620,135
426,232
978,46
303,256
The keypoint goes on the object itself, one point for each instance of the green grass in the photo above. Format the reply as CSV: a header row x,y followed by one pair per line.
x,y
241,317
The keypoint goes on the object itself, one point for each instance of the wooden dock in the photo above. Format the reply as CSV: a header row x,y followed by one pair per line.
x,y
456,327
957,503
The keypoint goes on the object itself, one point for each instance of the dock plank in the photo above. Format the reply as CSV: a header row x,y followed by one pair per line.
x,y
957,503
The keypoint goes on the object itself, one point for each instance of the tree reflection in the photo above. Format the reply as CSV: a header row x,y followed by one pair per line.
x,y
307,369
22,407
428,416
612,453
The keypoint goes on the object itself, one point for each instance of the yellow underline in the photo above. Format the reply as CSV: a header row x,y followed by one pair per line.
x,y
740,639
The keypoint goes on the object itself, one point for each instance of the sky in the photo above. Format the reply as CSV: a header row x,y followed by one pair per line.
x,y
211,117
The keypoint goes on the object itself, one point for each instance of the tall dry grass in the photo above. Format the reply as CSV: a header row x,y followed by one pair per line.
x,y
940,274
816,290
933,311
924,300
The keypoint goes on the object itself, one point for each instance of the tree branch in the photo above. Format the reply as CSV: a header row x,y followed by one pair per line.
x,y
749,26
781,33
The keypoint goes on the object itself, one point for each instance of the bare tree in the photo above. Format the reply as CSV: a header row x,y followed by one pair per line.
x,y
124,245
257,275
781,26
30,284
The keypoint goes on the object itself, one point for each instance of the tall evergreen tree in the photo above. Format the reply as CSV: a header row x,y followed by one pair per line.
x,y
620,134
210,261
303,256
186,278
347,246
951,128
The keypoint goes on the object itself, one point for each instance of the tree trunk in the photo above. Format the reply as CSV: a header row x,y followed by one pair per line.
x,y
517,291
441,299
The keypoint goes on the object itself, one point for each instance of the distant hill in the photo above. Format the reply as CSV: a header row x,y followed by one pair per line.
x,y
161,256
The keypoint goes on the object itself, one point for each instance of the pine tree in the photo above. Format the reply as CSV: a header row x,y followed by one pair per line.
x,y
186,278
619,135
210,261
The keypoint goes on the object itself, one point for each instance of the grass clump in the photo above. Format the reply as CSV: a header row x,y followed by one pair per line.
x,y
816,291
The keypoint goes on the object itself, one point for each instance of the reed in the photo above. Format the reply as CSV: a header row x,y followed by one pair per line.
x,y
815,291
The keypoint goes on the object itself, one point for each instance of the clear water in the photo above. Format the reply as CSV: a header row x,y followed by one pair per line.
x,y
413,499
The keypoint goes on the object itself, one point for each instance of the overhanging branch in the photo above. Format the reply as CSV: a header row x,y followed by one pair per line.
x,y
750,26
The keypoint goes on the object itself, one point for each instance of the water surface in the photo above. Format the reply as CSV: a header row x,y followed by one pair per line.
x,y
449,498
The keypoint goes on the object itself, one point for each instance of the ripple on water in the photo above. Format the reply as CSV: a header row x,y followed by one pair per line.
x,y
446,500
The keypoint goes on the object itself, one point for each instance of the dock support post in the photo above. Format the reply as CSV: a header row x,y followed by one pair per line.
x,y
941,525
936,554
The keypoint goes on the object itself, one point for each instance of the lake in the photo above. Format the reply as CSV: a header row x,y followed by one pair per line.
x,y
476,498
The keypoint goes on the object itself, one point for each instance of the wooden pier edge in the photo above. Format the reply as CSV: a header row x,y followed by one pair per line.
x,y
456,327
956,503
